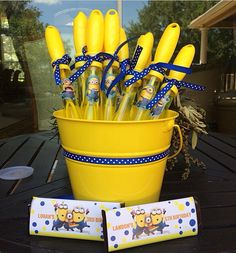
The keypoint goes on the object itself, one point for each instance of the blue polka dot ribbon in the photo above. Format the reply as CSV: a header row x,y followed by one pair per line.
x,y
135,57
56,64
116,161
158,67
123,66
170,83
100,57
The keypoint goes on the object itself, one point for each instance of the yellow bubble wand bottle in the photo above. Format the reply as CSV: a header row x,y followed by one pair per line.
x,y
79,32
145,81
123,55
183,59
111,42
56,51
164,52
144,44
95,37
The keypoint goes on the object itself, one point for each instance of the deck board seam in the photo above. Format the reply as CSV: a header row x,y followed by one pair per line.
x,y
234,157
51,172
222,164
223,141
14,152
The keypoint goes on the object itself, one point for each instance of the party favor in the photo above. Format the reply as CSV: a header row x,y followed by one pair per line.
x,y
68,218
138,225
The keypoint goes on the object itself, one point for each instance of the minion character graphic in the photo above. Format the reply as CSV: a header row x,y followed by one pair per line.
x,y
148,225
108,82
145,96
61,212
158,220
139,219
69,223
93,88
79,218
68,92
159,107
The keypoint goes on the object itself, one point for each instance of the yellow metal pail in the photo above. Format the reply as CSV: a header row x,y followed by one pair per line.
x,y
117,161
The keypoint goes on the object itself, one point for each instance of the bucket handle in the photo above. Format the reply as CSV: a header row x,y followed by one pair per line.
x,y
180,142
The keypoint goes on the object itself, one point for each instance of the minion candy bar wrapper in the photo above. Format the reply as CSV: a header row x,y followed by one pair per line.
x,y
68,218
144,224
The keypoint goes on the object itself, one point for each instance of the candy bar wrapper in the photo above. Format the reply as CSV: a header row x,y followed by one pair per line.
x,y
143,224
68,218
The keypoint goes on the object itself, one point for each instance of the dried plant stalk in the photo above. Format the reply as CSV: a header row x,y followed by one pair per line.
x,y
192,122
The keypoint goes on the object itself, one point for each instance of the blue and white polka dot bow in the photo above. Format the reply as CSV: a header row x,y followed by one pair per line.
x,y
100,57
123,68
56,64
158,67
170,83
126,66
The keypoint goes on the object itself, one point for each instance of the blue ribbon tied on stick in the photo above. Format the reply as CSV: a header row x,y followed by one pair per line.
x,y
100,57
65,59
126,68
170,83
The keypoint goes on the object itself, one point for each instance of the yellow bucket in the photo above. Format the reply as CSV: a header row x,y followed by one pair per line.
x,y
117,160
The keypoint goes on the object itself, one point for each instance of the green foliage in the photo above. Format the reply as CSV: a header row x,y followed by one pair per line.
x,y
23,20
156,15
24,25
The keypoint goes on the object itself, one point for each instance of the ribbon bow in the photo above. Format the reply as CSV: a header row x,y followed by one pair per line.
x,y
158,67
65,59
100,57
123,67
170,83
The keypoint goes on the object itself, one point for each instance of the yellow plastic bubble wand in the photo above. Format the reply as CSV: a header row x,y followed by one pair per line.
x,y
143,48
95,38
184,59
57,52
164,52
123,55
111,42
79,32
122,52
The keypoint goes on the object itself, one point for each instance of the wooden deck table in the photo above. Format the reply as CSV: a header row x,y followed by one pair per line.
x,y
215,188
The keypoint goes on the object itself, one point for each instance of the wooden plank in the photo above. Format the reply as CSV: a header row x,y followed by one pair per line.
x,y
227,139
47,135
214,168
218,156
219,145
61,170
218,217
212,173
192,187
42,165
209,200
23,156
195,172
41,190
10,148
24,201
10,246
209,240
2,142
